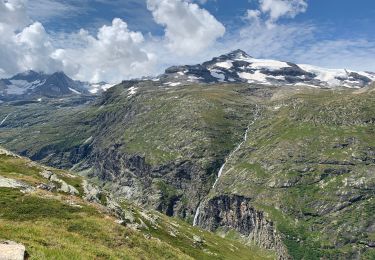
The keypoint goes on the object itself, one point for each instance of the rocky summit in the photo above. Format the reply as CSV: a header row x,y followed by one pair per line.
x,y
32,85
239,67
234,158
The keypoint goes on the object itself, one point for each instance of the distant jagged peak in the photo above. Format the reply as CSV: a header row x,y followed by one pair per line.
x,y
32,84
237,54
29,73
29,76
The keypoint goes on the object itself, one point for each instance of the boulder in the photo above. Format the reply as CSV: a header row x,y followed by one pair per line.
x,y
64,186
198,240
11,183
10,250
68,188
91,193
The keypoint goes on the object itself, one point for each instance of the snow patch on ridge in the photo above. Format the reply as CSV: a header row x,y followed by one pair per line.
x,y
265,64
96,87
327,75
217,74
75,91
132,91
225,64
172,84
257,76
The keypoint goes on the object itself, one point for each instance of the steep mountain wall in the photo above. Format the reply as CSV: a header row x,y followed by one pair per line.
x,y
236,212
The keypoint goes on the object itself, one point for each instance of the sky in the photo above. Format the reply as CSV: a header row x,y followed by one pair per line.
x,y
113,40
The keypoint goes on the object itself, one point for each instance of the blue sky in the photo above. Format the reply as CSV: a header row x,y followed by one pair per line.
x,y
337,18
118,39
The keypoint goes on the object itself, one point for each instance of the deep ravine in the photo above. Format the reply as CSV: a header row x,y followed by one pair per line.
x,y
256,116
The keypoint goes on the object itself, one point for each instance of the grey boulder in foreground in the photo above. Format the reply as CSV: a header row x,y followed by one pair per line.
x,y
10,250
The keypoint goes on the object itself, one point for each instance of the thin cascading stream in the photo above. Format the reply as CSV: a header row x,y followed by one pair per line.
x,y
256,116
3,121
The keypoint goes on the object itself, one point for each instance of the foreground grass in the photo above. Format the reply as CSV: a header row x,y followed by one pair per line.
x,y
54,225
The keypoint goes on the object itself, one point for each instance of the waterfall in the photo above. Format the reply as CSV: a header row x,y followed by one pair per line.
x,y
256,116
196,215
2,122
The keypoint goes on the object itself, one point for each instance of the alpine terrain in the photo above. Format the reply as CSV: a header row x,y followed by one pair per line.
x,y
233,158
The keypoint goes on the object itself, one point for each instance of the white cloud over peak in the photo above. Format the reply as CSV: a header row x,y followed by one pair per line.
x,y
113,54
23,44
273,10
189,29
34,49
266,36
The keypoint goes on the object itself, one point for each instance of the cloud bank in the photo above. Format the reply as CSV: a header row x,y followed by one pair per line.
x,y
115,52
191,34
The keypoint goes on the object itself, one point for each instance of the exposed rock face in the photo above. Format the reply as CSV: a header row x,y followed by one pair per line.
x,y
159,187
10,183
64,186
6,152
236,212
10,250
91,193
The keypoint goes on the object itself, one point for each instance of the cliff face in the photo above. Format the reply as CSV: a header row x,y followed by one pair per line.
x,y
163,187
236,212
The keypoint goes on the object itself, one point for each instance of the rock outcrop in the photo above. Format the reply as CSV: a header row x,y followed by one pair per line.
x,y
64,187
10,250
11,183
159,187
236,212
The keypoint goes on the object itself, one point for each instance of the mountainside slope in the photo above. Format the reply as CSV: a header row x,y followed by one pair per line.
x,y
301,183
307,166
57,223
161,147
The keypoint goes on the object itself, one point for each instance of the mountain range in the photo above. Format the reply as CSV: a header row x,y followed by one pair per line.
x,y
35,85
239,67
234,67
263,153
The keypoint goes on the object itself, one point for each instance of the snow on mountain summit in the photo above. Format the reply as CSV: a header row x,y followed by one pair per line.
x,y
33,85
238,66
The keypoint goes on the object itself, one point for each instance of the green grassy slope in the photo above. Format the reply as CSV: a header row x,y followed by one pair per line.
x,y
55,225
309,163
181,134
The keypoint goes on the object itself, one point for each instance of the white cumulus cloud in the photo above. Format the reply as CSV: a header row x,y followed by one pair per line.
x,y
23,44
113,54
189,29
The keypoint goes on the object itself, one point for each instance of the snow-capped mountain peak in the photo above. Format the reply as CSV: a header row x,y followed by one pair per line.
x,y
33,85
238,66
